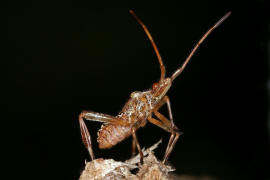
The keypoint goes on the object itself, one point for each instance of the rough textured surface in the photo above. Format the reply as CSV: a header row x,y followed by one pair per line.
x,y
152,169
103,169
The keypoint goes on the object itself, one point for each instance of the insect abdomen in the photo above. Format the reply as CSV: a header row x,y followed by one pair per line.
x,y
110,135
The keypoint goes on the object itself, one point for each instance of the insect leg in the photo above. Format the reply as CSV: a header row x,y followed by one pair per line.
x,y
169,123
105,118
133,152
86,138
166,98
137,144
159,124
173,138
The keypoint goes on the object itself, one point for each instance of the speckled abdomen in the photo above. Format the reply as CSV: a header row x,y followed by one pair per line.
x,y
110,135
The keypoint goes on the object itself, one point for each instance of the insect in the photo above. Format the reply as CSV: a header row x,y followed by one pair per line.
x,y
140,108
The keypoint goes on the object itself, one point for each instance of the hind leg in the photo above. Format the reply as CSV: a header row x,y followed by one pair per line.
x,y
86,138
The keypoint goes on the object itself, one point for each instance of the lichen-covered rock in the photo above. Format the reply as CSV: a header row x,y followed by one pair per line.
x,y
109,169
152,168
103,169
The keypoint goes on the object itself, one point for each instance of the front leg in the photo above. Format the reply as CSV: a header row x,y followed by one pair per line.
x,y
93,116
173,138
169,124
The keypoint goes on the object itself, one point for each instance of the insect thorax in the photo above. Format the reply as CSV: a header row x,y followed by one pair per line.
x,y
138,107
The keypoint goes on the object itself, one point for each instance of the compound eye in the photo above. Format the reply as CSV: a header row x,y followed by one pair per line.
x,y
155,86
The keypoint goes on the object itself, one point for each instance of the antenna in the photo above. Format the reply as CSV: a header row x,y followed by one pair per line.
x,y
162,67
180,70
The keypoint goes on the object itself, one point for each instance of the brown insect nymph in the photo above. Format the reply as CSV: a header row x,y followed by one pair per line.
x,y
140,108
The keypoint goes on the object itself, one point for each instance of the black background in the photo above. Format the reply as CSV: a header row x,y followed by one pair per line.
x,y
69,56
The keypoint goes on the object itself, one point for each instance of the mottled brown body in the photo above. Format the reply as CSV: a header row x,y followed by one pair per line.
x,y
140,108
135,112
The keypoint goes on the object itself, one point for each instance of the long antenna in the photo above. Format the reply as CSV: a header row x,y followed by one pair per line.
x,y
180,70
162,67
